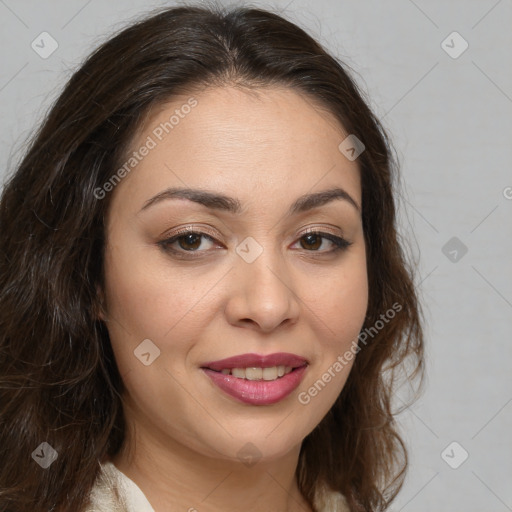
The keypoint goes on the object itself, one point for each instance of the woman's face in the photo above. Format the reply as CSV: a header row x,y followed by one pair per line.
x,y
253,282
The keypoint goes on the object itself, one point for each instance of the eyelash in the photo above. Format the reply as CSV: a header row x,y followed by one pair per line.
x,y
341,244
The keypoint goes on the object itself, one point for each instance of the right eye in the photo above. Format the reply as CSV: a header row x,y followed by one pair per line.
x,y
184,242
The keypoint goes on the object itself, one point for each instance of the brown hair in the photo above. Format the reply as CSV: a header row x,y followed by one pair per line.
x,y
58,378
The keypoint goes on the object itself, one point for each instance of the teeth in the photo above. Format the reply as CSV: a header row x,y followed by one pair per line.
x,y
271,373
253,373
238,372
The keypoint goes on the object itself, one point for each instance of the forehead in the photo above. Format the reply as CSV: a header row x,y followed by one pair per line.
x,y
265,143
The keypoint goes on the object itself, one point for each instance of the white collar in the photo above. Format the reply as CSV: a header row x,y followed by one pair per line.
x,y
103,498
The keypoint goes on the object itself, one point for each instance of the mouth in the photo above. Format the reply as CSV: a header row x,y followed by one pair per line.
x,y
255,379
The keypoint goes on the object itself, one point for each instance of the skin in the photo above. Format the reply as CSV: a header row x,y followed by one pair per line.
x,y
266,148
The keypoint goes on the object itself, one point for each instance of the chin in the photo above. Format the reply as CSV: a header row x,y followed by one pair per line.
x,y
251,448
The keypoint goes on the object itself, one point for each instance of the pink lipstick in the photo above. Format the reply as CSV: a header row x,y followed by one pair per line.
x,y
257,379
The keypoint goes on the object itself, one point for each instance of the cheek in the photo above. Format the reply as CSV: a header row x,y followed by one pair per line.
x,y
352,303
146,299
141,295
339,306
341,300
141,305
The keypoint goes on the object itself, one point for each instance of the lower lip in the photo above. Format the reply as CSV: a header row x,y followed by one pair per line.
x,y
257,392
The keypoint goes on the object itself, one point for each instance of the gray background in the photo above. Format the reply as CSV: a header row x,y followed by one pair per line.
x,y
450,119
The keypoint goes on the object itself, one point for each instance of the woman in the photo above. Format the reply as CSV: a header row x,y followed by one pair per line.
x,y
203,296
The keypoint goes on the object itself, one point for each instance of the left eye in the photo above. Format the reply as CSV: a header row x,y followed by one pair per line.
x,y
190,241
313,238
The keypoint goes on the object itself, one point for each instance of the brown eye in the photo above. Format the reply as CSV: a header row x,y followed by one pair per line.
x,y
190,241
313,240
185,242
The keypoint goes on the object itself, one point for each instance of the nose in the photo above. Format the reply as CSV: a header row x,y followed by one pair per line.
x,y
262,294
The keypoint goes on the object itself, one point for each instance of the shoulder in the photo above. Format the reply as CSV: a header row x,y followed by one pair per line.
x,y
113,491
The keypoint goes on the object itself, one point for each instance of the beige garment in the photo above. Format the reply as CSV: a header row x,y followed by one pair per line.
x,y
130,498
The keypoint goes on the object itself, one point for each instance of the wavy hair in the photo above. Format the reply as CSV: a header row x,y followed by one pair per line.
x,y
59,382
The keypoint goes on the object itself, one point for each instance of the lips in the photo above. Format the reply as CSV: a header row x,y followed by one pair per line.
x,y
261,391
256,361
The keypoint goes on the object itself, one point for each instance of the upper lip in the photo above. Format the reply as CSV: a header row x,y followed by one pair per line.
x,y
256,361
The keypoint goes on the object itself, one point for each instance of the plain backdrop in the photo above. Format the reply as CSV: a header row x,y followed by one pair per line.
x,y
448,109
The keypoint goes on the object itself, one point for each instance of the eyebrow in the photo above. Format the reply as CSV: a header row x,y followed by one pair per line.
x,y
216,201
